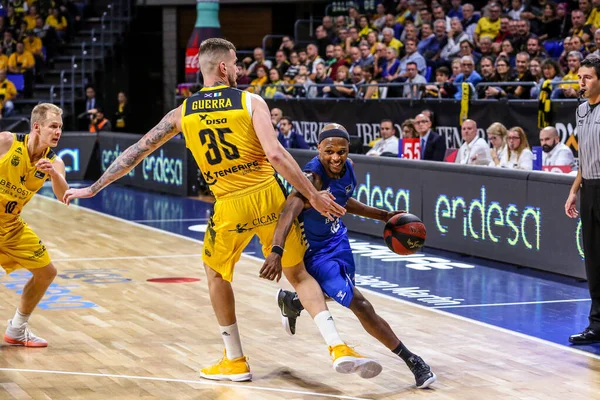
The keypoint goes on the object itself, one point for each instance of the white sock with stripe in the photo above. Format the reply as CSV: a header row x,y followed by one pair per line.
x,y
324,321
231,338
19,319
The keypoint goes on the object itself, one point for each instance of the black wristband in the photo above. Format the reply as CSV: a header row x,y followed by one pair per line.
x,y
277,250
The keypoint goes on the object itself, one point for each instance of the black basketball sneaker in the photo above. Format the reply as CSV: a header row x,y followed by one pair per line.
x,y
288,312
422,372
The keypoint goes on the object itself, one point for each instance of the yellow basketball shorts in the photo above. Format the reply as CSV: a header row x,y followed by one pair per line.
x,y
240,216
22,248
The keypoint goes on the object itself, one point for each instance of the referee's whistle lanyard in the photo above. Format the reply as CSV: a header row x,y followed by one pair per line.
x,y
579,99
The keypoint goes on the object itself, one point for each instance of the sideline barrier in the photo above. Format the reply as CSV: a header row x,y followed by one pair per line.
x,y
505,215
76,149
510,216
165,170
362,117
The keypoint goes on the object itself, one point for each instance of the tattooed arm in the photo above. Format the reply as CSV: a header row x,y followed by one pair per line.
x,y
168,127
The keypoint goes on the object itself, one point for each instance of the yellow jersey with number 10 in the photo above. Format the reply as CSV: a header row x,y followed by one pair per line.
x,y
19,181
218,130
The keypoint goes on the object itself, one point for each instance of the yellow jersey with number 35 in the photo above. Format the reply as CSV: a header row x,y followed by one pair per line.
x,y
217,126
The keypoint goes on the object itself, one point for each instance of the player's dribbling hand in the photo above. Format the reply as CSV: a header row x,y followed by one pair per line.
x,y
390,214
271,268
73,194
571,206
324,203
46,166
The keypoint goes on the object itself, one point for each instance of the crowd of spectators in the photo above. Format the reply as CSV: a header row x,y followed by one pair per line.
x,y
507,148
30,34
506,49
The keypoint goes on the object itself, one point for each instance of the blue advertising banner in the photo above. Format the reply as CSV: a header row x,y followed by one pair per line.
x,y
165,170
505,215
76,149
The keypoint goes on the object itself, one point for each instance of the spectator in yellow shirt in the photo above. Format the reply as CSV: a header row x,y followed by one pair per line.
x,y
488,26
22,62
262,79
58,22
390,41
3,59
363,27
8,91
569,90
33,44
30,17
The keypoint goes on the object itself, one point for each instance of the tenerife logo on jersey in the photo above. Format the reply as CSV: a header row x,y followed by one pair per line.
x,y
18,150
349,188
341,295
211,176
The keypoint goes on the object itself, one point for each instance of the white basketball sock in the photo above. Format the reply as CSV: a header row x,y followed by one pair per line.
x,y
19,319
233,344
325,323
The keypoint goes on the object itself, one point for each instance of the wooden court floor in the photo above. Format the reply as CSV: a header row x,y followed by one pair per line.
x,y
148,340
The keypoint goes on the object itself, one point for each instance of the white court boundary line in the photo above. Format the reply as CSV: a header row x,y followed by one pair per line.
x,y
125,258
171,220
405,302
195,382
514,304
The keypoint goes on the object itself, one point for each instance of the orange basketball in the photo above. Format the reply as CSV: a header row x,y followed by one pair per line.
x,y
404,234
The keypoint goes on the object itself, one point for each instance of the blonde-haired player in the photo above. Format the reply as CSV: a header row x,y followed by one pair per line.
x,y
26,162
230,134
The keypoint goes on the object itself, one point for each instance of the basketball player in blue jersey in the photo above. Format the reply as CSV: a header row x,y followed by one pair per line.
x,y
328,257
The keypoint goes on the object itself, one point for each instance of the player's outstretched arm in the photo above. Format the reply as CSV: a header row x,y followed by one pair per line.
x,y
284,163
57,172
355,207
294,205
168,127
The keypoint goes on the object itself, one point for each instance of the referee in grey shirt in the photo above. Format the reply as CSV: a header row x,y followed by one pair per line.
x,y
588,179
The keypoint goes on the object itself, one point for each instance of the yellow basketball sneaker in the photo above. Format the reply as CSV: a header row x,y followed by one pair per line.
x,y
236,370
348,361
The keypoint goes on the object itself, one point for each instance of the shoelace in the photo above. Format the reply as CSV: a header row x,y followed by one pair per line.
x,y
418,367
28,334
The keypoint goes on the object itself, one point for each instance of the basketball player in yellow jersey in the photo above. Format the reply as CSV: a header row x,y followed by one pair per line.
x,y
26,162
230,134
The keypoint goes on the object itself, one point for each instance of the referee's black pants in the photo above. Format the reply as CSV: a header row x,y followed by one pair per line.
x,y
590,224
